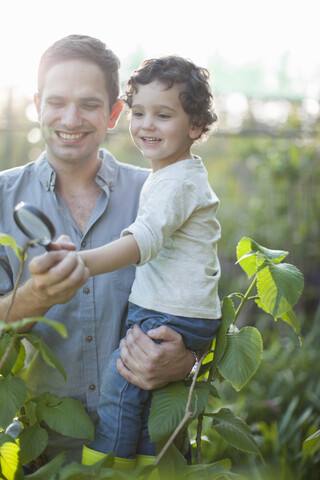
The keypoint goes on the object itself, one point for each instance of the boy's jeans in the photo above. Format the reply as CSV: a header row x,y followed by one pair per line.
x,y
123,407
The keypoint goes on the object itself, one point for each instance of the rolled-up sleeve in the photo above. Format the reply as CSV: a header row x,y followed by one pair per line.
x,y
6,281
168,205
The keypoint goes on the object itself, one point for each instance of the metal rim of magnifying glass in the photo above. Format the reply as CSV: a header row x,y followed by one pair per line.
x,y
35,212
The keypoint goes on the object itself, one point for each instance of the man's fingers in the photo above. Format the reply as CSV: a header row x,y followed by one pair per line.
x,y
164,333
64,242
44,262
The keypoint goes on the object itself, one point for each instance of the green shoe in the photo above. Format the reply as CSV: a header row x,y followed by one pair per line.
x,y
89,457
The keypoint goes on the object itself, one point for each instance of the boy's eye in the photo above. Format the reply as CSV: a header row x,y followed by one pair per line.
x,y
163,115
137,114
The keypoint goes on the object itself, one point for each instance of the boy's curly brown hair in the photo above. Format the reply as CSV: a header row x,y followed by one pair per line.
x,y
196,97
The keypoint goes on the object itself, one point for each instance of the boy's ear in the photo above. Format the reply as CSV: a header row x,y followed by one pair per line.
x,y
195,132
115,113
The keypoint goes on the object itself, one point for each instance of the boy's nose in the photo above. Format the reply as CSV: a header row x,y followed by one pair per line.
x,y
148,122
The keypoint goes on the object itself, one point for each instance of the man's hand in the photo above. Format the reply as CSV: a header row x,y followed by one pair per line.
x,y
151,365
57,275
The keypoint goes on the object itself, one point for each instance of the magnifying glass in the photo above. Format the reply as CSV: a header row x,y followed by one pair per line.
x,y
34,224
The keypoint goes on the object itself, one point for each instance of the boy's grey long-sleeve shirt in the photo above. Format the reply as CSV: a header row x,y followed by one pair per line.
x,y
177,233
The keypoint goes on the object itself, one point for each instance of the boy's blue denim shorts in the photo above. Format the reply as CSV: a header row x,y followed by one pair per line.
x,y
196,332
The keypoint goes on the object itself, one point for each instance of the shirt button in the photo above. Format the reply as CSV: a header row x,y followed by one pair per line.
x,y
83,243
89,338
86,290
92,387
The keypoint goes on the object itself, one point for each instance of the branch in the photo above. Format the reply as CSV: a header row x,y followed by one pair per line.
x,y
188,414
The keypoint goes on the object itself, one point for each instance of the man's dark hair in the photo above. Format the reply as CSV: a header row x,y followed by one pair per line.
x,y
89,49
196,97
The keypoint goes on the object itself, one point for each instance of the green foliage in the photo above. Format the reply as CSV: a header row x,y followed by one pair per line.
x,y
234,361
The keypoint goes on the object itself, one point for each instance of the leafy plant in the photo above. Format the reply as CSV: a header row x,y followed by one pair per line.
x,y
235,358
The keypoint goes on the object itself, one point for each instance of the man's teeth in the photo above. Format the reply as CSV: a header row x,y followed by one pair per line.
x,y
70,136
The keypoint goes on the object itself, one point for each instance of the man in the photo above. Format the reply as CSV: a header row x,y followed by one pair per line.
x,y
90,197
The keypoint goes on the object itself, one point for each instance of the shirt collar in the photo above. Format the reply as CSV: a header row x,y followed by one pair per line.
x,y
106,176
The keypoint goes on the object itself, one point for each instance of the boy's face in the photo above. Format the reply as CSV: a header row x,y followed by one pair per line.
x,y
74,111
159,126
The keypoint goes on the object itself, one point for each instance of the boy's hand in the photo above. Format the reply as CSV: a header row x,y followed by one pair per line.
x,y
151,365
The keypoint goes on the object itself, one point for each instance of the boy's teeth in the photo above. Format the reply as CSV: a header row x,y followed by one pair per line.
x,y
151,139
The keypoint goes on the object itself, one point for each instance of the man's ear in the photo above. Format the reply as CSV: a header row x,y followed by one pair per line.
x,y
37,102
115,113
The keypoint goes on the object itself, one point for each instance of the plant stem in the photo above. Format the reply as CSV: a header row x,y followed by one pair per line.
x,y
245,298
198,438
17,282
188,414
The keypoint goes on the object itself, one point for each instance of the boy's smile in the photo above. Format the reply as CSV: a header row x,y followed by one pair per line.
x,y
159,126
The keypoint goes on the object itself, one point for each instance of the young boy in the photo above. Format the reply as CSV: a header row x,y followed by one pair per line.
x,y
173,241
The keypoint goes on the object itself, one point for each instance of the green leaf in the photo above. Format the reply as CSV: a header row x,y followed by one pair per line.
x,y
168,406
49,470
20,360
9,459
5,342
279,286
47,354
33,441
290,318
234,430
4,438
13,393
242,356
212,471
58,326
7,240
228,314
66,416
247,251
311,445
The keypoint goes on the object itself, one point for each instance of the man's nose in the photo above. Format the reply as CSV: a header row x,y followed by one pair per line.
x,y
71,116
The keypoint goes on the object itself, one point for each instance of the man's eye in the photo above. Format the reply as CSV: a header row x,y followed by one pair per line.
x,y
55,104
90,106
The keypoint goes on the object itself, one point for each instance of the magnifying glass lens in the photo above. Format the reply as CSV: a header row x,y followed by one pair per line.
x,y
33,223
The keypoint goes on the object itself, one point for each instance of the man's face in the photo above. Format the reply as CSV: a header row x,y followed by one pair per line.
x,y
74,112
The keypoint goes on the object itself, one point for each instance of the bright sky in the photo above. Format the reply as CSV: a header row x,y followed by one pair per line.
x,y
240,30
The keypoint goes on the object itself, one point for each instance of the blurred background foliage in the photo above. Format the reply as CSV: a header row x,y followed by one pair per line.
x,y
263,163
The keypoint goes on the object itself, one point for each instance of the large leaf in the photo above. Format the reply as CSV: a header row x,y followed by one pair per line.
x,y
168,406
47,354
66,416
13,393
5,343
228,314
247,251
279,286
33,441
242,356
7,240
9,460
48,471
234,430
